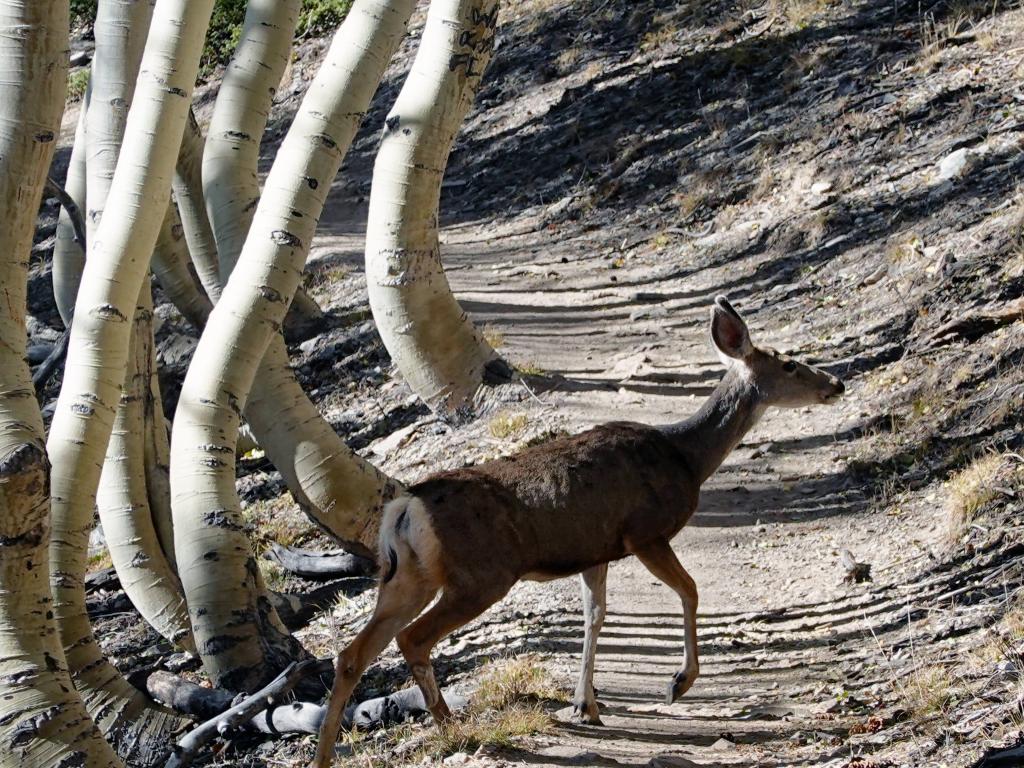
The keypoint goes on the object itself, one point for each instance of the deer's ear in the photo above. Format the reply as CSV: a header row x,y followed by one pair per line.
x,y
728,331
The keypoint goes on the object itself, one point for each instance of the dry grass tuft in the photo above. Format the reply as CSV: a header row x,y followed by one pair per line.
x,y
507,705
493,336
928,692
507,424
522,679
530,368
971,489
499,728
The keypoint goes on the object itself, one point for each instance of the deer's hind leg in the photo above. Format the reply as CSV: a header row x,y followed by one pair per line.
x,y
663,563
399,601
593,582
456,607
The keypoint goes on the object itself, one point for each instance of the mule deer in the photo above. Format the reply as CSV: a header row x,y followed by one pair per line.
x,y
569,506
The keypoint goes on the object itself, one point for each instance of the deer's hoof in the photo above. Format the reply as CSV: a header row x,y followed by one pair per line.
x,y
585,715
680,684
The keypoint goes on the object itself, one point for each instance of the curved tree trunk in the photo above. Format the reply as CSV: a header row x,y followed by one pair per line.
x,y
172,267
243,650
146,575
68,253
188,191
44,721
230,181
120,31
98,353
439,352
338,489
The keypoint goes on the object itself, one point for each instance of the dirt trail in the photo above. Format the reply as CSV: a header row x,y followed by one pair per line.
x,y
771,634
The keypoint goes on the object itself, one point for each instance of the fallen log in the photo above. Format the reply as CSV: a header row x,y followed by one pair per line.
x,y
320,565
244,711
298,716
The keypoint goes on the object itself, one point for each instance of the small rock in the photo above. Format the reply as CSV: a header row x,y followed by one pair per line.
x,y
178,662
570,755
821,187
955,164
648,313
671,761
308,346
723,744
459,758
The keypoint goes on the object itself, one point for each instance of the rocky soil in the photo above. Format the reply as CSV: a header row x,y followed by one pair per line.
x,y
847,173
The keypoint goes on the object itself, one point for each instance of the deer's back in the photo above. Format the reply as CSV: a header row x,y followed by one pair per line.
x,y
565,505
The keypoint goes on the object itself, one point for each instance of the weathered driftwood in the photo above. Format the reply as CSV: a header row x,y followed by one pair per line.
x,y
213,705
320,565
186,697
397,707
245,710
107,580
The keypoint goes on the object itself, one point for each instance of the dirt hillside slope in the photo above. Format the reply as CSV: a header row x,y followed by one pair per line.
x,y
847,173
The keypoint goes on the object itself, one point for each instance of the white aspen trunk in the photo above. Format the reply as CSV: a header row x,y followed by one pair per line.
x,y
68,253
120,32
237,641
322,473
158,464
44,721
97,358
123,498
188,191
146,575
173,269
342,492
430,338
230,161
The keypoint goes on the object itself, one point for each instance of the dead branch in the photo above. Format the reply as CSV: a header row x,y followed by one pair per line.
x,y
320,566
246,709
55,190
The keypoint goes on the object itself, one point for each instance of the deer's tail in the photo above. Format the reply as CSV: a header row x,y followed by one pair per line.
x,y
407,539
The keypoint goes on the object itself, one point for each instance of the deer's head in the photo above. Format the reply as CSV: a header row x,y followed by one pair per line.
x,y
778,379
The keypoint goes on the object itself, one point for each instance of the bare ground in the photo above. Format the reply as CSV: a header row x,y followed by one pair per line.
x,y
626,163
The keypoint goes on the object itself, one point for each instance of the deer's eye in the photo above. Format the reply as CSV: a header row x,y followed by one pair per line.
x,y
789,366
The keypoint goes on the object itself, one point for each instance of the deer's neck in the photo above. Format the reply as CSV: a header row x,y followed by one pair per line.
x,y
710,435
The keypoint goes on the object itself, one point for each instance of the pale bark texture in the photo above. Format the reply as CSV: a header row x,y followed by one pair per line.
x,y
123,501
97,359
230,180
172,267
44,721
295,437
239,641
146,574
439,352
120,32
68,253
188,191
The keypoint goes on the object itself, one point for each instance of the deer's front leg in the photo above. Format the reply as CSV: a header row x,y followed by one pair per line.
x,y
663,563
593,582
